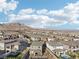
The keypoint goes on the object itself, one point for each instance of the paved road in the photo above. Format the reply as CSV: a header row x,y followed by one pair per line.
x,y
26,54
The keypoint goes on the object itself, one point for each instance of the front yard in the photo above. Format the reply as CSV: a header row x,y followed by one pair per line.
x,y
73,55
18,56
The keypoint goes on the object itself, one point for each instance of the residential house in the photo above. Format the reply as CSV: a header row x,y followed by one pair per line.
x,y
9,45
72,45
1,34
36,48
57,47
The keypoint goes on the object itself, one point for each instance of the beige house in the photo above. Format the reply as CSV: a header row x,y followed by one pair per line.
x,y
57,47
72,45
9,45
36,48
1,34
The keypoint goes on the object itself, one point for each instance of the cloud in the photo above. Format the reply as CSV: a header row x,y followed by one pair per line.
x,y
32,18
43,11
72,12
1,1
5,6
48,18
26,11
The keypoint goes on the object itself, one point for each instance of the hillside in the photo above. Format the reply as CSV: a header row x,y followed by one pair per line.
x,y
14,26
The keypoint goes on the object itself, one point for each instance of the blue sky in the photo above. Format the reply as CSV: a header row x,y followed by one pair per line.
x,y
52,14
48,4
43,4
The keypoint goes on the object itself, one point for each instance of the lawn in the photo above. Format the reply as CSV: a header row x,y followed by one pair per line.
x,y
73,55
18,56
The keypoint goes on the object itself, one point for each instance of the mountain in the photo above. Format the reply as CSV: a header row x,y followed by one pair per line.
x,y
14,26
23,27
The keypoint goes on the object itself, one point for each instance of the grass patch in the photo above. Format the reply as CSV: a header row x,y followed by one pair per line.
x,y
18,56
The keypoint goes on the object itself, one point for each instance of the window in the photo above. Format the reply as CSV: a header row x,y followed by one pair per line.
x,y
7,50
36,53
74,47
70,47
8,47
12,46
39,47
77,46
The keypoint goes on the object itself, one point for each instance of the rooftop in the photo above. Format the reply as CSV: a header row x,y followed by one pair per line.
x,y
54,43
37,43
71,43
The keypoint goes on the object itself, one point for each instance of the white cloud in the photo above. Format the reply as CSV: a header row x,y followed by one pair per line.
x,y
33,19
72,12
2,1
47,18
43,11
26,11
56,13
7,6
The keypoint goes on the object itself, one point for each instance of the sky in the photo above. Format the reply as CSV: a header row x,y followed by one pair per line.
x,y
50,14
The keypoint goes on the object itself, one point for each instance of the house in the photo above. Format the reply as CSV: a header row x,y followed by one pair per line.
x,y
9,45
76,39
50,39
1,34
59,52
52,45
36,48
56,47
72,45
35,38
62,47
